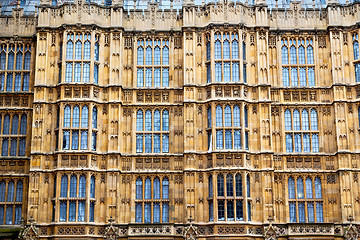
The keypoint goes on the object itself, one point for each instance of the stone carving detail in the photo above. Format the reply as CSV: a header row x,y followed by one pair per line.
x,y
190,232
111,232
30,232
351,233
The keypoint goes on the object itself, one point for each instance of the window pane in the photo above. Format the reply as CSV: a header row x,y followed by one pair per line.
x,y
220,185
219,121
285,75
156,190
284,54
10,192
147,213
319,212
73,186
147,188
82,186
9,215
19,191
64,186
81,211
84,117
138,213
156,213
291,188
165,188
230,210
310,211
84,140
63,210
294,77
239,210
235,72
17,86
219,139
165,213
318,194
315,142
218,72
301,207
289,143
138,188
9,82
226,72
221,210
292,212
300,188
229,185
72,211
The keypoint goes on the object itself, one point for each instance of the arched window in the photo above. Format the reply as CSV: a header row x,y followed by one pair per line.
x,y
165,57
310,55
314,120
235,49
356,50
157,120
246,117
210,186
94,118
219,120
19,191
300,188
289,143
148,59
284,55
301,55
5,147
165,188
27,61
15,124
17,85
305,119
19,58
10,192
69,50
293,58
248,186
82,186
226,46
156,191
87,50
148,120
10,65
92,187
238,185
220,185
236,116
2,60
139,188
96,52
13,147
140,55
2,192
291,188
209,117
147,188
73,186
139,120
157,55
217,49
296,115
318,194
165,120
309,190
76,117
297,143
229,185
6,129
64,186
84,116
67,115
78,50
228,116
288,122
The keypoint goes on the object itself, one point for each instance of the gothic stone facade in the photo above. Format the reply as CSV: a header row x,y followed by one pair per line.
x,y
219,121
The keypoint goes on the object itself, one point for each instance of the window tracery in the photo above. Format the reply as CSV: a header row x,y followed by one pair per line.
x,y
13,134
155,54
229,195
152,200
305,199
301,130
73,198
15,67
298,67
152,131
228,128
11,201
75,131
78,57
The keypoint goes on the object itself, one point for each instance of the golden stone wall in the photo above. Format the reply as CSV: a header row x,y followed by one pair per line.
x,y
264,165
